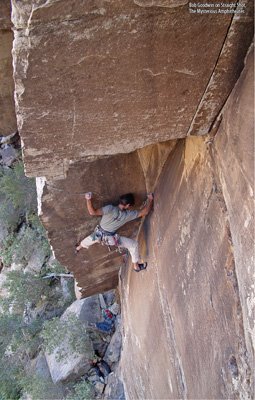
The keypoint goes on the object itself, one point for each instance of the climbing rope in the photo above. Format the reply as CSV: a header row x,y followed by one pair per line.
x,y
71,193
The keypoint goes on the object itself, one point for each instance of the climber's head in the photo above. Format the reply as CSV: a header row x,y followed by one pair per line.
x,y
126,200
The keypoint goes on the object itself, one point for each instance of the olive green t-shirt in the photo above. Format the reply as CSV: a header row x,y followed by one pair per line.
x,y
113,218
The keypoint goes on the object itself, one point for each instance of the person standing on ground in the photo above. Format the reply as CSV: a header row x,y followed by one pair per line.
x,y
113,217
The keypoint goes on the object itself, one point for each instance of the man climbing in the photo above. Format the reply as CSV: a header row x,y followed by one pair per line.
x,y
113,217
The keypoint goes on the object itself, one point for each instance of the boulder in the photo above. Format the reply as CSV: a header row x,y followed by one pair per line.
x,y
99,342
93,377
66,288
112,354
114,388
99,387
74,364
39,369
87,310
3,277
71,367
109,297
115,309
102,301
8,154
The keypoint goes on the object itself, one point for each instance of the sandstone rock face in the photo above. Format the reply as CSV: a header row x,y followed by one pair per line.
x,y
160,3
234,153
106,78
66,218
8,123
188,317
226,70
101,91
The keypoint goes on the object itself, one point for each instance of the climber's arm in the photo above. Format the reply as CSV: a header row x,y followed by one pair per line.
x,y
90,207
148,206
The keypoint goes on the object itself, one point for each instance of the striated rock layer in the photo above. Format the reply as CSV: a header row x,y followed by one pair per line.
x,y
65,216
107,77
189,319
234,154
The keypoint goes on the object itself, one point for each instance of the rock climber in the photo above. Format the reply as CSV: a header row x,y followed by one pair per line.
x,y
113,217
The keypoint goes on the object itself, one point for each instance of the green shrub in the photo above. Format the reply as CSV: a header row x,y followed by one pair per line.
x,y
18,190
10,387
82,391
25,287
34,221
20,247
9,216
57,333
18,196
54,267
6,250
18,336
41,235
26,244
15,340
9,326
40,388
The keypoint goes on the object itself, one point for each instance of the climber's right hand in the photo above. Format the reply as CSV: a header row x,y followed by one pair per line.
x,y
150,196
88,195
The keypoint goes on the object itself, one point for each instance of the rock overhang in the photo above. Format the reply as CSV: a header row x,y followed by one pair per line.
x,y
108,78
64,214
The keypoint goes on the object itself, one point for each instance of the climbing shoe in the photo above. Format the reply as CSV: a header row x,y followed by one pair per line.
x,y
76,251
140,267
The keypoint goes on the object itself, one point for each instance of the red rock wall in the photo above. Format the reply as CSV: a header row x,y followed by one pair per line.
x,y
234,155
8,122
66,218
188,318
97,78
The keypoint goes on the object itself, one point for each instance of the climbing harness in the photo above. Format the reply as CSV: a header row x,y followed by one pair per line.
x,y
102,236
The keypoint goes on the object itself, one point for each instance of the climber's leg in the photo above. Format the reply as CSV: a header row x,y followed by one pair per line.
x,y
132,246
86,243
